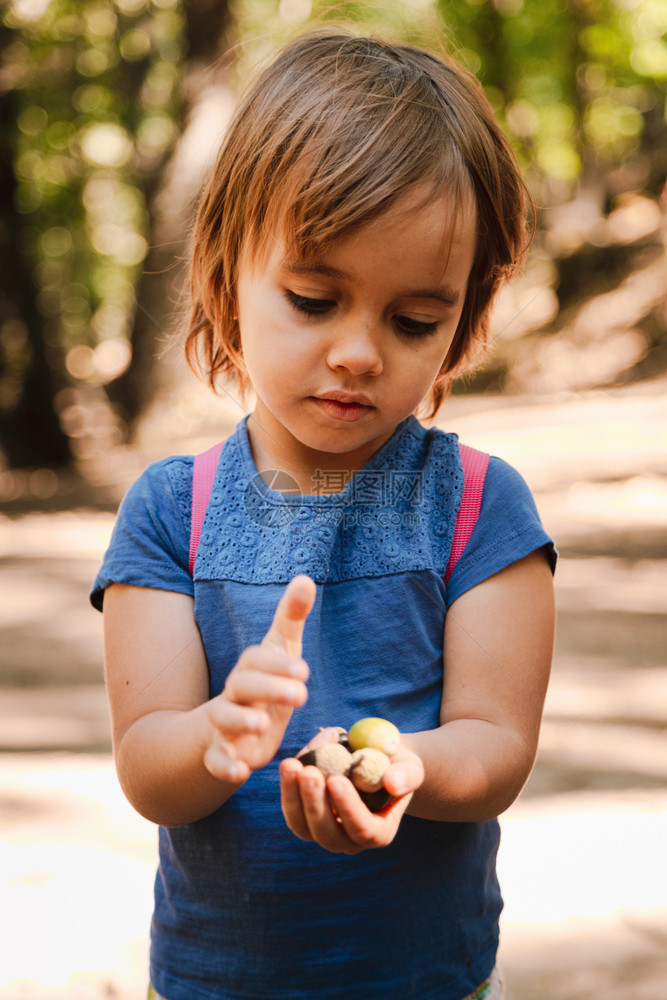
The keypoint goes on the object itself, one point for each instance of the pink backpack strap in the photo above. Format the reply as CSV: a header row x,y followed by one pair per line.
x,y
203,474
475,464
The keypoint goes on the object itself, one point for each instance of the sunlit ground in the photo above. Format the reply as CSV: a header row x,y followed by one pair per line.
x,y
76,871
582,854
77,867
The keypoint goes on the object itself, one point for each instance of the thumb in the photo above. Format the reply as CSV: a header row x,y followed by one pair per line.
x,y
286,631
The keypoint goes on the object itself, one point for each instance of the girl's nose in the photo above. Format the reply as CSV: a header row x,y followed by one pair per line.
x,y
357,350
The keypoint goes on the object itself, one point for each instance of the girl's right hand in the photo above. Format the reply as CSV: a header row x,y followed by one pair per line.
x,y
248,719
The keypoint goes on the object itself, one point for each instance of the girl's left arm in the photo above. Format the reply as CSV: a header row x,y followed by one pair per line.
x,y
498,646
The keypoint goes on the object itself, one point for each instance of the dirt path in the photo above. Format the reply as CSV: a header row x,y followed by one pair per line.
x,y
581,861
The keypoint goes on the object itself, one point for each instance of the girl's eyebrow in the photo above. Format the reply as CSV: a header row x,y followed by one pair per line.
x,y
446,294
450,296
296,266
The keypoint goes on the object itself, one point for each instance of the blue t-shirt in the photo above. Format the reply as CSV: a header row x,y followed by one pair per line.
x,y
243,909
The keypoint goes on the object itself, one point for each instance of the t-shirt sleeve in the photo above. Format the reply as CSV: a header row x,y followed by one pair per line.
x,y
151,537
508,528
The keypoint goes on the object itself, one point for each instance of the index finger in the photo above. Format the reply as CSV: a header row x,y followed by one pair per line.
x,y
286,630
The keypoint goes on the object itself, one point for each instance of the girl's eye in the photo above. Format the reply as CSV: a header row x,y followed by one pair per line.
x,y
413,327
308,306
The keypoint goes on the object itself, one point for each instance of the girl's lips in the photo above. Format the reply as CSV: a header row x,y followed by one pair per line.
x,y
345,409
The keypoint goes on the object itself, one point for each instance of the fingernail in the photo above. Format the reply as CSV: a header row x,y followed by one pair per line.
x,y
295,692
253,722
295,668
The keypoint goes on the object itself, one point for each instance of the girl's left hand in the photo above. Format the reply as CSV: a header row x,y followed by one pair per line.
x,y
330,812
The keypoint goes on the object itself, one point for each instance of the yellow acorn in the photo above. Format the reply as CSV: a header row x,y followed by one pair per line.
x,y
376,733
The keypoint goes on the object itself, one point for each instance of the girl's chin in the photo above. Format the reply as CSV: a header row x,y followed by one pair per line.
x,y
313,429
347,439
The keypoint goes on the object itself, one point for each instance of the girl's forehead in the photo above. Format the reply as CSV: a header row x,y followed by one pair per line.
x,y
442,212
419,213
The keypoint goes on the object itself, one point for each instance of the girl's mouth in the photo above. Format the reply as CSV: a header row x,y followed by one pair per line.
x,y
343,406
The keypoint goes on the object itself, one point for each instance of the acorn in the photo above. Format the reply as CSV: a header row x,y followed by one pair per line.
x,y
361,755
330,758
367,770
375,801
367,767
376,733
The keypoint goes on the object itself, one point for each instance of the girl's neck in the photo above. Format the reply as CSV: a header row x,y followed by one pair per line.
x,y
315,472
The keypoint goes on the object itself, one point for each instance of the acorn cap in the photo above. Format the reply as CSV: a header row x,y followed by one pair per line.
x,y
330,758
367,769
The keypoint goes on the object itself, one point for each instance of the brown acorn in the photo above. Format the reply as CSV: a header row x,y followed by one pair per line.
x,y
375,801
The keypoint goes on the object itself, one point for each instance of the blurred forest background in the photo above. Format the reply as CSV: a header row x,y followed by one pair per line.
x,y
111,111
110,115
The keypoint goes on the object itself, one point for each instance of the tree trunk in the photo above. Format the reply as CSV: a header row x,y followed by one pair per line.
x,y
207,24
31,366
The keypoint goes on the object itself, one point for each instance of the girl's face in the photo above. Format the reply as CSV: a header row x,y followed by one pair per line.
x,y
341,348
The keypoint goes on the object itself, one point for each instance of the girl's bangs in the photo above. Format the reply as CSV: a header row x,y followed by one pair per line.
x,y
311,209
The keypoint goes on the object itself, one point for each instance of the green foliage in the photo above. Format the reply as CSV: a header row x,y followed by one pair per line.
x,y
572,81
96,93
264,25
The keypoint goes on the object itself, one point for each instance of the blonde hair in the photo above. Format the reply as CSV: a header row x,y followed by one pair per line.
x,y
328,137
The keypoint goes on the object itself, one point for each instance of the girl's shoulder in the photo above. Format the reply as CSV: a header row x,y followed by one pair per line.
x,y
175,470
507,529
150,539
160,498
164,486
505,489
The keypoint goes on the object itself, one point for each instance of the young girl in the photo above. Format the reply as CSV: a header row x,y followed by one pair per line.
x,y
362,212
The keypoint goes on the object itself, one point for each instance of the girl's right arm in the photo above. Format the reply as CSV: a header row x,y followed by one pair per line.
x,y
180,755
